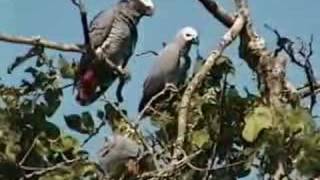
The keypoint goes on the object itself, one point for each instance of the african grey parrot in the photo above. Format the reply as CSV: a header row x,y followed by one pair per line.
x,y
113,35
116,153
171,65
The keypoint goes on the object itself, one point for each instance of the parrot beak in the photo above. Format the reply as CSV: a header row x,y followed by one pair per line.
x,y
150,11
196,41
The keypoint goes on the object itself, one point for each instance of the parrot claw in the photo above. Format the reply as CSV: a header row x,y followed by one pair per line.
x,y
127,75
172,87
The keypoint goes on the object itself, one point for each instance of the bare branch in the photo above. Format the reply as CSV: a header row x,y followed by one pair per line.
x,y
84,21
26,155
200,76
306,90
301,58
49,169
218,12
37,41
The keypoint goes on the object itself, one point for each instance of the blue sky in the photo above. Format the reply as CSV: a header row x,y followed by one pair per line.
x,y
59,20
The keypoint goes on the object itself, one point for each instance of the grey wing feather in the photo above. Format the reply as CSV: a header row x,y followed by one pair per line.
x,y
101,26
165,70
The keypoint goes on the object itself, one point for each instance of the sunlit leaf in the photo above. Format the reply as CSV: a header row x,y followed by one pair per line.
x,y
261,118
67,70
200,138
299,119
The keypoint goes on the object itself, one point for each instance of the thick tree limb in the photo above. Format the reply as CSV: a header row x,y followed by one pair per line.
x,y
200,76
252,49
37,41
218,12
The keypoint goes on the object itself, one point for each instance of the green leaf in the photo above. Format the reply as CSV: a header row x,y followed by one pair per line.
x,y
200,138
261,118
33,71
88,121
299,119
100,114
52,97
51,130
67,70
83,124
64,144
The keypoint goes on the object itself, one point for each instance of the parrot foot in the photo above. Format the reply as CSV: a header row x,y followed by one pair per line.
x,y
127,75
172,87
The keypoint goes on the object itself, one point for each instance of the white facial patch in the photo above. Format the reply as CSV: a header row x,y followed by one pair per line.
x,y
189,33
147,3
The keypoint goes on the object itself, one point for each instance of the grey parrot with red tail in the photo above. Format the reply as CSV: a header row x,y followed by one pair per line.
x,y
113,35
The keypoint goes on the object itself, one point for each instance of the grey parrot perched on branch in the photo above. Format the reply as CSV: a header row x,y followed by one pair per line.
x,y
113,35
171,65
117,153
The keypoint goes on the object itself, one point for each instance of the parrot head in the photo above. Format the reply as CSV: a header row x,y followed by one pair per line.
x,y
189,34
146,7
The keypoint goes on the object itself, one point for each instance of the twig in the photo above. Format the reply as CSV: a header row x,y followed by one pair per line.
x,y
48,169
200,76
171,168
96,131
212,158
34,51
147,52
306,90
84,21
218,168
167,87
26,155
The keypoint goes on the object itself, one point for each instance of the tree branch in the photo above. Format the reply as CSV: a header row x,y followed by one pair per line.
x,y
307,91
38,41
49,169
218,12
84,21
200,76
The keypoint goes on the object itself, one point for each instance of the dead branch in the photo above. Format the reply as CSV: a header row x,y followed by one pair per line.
x,y
200,76
38,41
49,169
218,12
26,155
306,91
301,57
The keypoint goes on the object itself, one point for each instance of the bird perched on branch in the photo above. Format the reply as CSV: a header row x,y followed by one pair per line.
x,y
117,153
113,35
171,65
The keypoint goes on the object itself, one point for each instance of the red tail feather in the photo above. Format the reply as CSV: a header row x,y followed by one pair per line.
x,y
87,86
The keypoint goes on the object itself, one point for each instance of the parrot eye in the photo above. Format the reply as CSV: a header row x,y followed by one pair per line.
x,y
188,35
